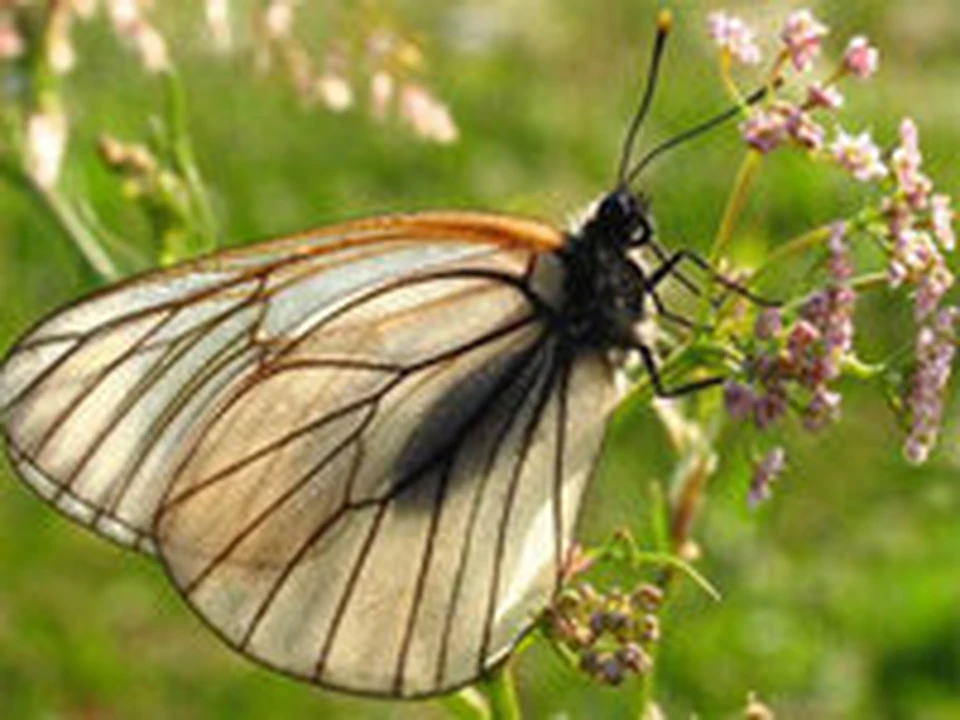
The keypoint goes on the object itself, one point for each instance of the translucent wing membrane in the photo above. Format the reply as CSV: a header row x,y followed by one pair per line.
x,y
359,453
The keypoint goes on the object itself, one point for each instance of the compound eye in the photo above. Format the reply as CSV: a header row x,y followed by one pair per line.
x,y
618,208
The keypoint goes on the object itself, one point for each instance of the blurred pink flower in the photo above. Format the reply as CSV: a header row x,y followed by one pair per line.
x,y
334,91
131,26
278,18
768,324
84,8
827,97
932,285
765,473
11,42
46,143
734,36
151,47
429,118
906,161
738,399
861,59
859,156
59,47
764,130
934,353
941,220
382,87
123,13
804,131
803,36
218,23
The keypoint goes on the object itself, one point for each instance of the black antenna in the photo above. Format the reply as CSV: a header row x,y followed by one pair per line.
x,y
697,130
664,24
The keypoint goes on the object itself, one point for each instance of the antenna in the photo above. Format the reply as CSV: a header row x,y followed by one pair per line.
x,y
697,130
664,24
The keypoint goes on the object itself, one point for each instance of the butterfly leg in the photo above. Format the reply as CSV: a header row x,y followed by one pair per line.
x,y
650,286
664,257
671,261
650,363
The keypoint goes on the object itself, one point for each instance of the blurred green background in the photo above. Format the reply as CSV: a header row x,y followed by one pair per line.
x,y
841,596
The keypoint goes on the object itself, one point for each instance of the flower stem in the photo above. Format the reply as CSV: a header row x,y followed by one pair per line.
x,y
735,202
69,220
186,162
468,704
795,246
502,695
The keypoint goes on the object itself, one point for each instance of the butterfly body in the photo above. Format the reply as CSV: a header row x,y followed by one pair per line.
x,y
605,288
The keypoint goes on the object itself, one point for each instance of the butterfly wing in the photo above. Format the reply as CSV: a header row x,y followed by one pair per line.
x,y
97,399
359,455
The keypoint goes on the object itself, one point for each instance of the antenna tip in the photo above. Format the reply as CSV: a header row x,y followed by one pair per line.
x,y
664,21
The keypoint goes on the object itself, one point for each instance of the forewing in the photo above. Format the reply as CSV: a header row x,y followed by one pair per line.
x,y
100,400
391,523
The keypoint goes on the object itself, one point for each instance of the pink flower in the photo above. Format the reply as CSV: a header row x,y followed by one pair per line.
x,y
278,19
841,268
906,161
827,97
768,324
429,118
218,23
334,91
803,36
935,350
861,59
859,156
765,473
734,36
738,399
934,283
46,143
823,408
804,131
941,220
764,130
382,87
11,42
84,9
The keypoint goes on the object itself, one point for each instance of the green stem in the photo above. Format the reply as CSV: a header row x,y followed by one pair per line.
x,y
468,704
186,161
795,246
69,220
735,202
502,695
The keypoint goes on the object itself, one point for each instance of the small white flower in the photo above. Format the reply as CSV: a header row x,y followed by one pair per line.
x,y
46,143
859,155
334,91
734,36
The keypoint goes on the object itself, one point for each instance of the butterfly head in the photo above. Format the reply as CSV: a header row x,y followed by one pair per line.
x,y
622,217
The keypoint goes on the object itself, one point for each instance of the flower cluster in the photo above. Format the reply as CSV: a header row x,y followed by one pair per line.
x,y
609,634
793,365
935,349
734,37
780,121
391,66
918,228
388,65
805,355
915,227
802,37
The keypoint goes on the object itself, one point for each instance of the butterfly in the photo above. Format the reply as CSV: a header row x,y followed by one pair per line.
x,y
357,452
